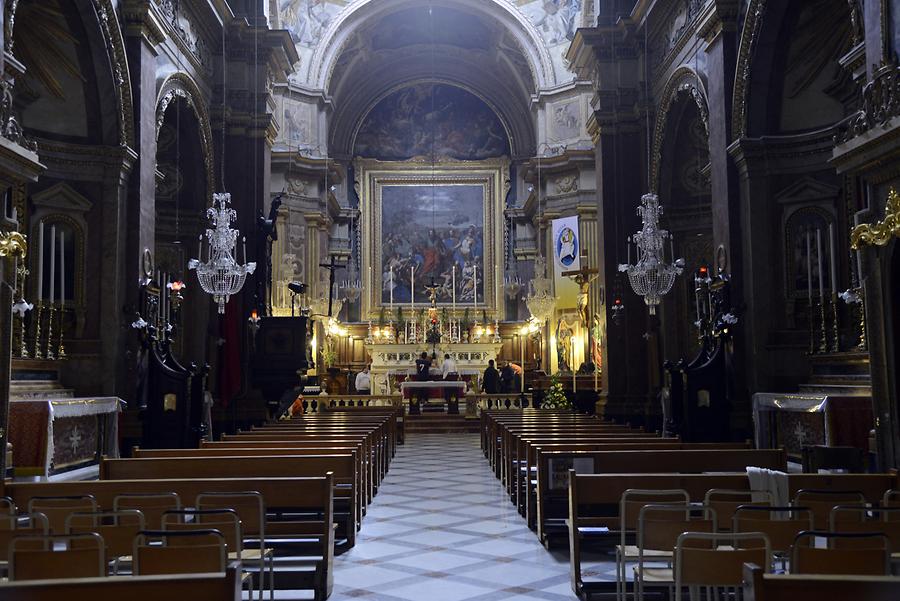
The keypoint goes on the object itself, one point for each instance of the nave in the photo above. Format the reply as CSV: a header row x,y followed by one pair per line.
x,y
442,529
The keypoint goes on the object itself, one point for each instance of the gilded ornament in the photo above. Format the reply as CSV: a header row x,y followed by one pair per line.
x,y
880,233
13,244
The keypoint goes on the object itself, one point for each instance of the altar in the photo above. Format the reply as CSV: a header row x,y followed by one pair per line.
x,y
394,364
50,437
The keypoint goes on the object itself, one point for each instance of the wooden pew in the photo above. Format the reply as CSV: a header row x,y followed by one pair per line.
x,y
527,490
196,587
553,472
313,496
347,494
759,586
593,499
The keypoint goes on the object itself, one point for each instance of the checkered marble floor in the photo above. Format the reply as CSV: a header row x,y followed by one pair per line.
x,y
441,529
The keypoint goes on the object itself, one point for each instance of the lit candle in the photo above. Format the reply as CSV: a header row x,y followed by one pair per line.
x,y
412,287
52,263
833,259
40,273
62,269
572,341
475,283
244,240
628,247
391,285
819,261
522,362
809,266
200,247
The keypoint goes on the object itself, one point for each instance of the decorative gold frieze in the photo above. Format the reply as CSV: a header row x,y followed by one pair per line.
x,y
880,233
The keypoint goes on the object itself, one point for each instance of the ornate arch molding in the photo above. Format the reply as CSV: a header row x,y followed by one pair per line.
x,y
684,82
115,47
180,85
340,30
749,36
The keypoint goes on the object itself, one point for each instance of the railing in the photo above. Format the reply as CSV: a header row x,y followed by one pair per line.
x,y
323,403
486,401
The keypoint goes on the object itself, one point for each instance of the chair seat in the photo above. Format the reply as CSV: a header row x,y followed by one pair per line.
x,y
633,551
655,575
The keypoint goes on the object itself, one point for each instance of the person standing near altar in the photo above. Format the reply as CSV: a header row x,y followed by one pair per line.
x,y
448,367
490,381
363,382
423,367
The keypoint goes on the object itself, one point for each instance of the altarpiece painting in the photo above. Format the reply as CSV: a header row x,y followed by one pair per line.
x,y
437,226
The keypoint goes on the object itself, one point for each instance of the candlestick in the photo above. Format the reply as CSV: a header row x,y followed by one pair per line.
x,y
38,353
244,246
40,271
572,367
412,287
62,272
52,265
49,353
475,282
522,362
391,285
628,248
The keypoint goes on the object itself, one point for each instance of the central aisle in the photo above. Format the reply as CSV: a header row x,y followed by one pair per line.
x,y
441,529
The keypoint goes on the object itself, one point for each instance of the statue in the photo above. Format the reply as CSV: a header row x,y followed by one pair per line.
x,y
564,333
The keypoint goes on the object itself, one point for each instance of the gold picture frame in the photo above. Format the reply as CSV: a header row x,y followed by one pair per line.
x,y
373,176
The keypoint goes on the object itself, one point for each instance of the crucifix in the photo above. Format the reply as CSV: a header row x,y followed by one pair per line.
x,y
331,266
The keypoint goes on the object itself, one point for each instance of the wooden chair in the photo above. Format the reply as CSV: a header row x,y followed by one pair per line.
x,y
117,528
225,521
251,508
153,506
659,527
183,552
55,556
58,508
12,526
821,502
715,561
856,554
891,499
861,519
633,500
726,501
781,525
818,457
7,506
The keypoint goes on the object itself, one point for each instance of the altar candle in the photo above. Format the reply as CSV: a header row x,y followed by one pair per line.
x,y
244,241
572,367
40,273
833,259
809,265
391,285
453,286
15,217
628,248
475,283
62,269
412,287
522,361
52,263
819,261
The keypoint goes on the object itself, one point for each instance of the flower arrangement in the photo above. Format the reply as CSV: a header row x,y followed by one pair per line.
x,y
556,396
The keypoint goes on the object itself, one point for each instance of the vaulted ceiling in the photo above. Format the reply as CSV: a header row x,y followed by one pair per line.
x,y
448,43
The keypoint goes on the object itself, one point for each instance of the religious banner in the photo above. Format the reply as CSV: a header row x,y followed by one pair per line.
x,y
566,244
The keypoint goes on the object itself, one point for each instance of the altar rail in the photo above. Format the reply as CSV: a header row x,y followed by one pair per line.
x,y
513,400
322,403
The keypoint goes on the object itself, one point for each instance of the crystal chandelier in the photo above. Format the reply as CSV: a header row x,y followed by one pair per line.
x,y
512,285
220,275
650,276
540,300
352,287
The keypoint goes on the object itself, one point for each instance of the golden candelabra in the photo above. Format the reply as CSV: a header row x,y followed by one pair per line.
x,y
38,316
21,273
61,348
49,354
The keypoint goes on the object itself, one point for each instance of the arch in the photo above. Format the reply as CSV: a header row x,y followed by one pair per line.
x,y
685,80
341,29
115,47
436,81
180,85
749,36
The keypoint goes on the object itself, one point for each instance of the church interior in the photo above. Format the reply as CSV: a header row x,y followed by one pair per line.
x,y
450,299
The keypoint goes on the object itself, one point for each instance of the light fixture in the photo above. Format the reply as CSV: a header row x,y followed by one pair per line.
x,y
221,275
650,275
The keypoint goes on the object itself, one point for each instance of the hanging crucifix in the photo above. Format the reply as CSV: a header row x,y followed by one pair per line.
x,y
331,266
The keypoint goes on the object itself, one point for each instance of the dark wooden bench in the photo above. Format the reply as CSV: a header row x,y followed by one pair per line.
x,y
759,586
347,493
224,586
297,509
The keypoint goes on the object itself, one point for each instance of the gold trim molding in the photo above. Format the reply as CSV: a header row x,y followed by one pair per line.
x,y
881,232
